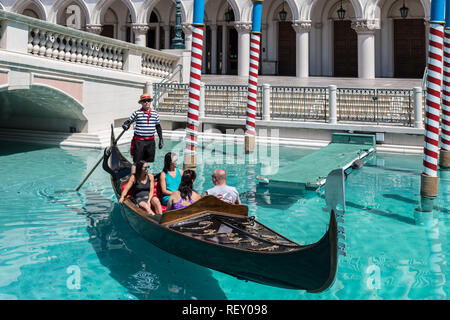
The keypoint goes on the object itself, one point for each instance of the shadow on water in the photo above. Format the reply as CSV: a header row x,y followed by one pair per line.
x,y
145,270
13,147
407,200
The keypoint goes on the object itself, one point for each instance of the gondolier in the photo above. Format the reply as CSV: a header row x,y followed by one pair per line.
x,y
147,122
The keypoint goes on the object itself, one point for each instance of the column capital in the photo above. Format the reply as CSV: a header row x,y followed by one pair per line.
x,y
213,27
243,27
301,25
366,25
187,27
139,28
94,28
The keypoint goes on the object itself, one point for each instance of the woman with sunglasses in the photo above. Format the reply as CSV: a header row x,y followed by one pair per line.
x,y
143,182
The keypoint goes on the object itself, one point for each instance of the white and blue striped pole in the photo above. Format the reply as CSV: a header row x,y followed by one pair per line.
x,y
190,152
255,41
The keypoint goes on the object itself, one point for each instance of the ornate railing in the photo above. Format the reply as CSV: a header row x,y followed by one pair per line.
x,y
380,106
52,41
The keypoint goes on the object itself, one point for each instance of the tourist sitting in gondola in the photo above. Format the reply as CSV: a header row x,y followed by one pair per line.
x,y
221,190
185,195
143,183
170,177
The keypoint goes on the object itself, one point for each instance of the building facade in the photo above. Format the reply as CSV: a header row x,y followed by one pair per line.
x,y
333,38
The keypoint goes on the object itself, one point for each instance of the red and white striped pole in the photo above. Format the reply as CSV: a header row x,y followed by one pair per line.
x,y
190,152
429,178
444,155
255,41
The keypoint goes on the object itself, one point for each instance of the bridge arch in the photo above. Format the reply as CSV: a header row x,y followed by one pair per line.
x,y
41,107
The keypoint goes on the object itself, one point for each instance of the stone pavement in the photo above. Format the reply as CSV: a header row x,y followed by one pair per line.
x,y
396,83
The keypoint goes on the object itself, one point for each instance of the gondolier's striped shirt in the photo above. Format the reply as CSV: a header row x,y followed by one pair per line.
x,y
145,126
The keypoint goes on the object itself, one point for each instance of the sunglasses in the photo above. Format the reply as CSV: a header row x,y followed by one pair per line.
x,y
146,101
146,168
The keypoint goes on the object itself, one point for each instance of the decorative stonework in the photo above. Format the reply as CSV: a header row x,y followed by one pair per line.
x,y
94,28
187,28
140,28
366,26
243,27
301,26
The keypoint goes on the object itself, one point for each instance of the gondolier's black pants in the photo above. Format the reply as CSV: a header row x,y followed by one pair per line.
x,y
144,150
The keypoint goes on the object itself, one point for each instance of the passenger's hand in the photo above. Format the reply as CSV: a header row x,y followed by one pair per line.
x,y
121,200
161,143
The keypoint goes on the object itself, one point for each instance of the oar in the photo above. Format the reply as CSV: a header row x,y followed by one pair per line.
x,y
98,162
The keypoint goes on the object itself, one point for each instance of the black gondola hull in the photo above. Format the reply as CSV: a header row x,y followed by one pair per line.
x,y
311,267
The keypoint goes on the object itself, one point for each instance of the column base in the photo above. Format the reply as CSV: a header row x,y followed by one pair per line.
x,y
428,186
444,159
249,144
190,161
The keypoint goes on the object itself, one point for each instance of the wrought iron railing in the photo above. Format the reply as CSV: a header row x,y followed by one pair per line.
x,y
229,101
380,106
375,105
299,103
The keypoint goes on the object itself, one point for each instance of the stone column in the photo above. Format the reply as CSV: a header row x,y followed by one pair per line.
x,y
224,48
140,34
365,30
158,37
213,48
94,28
302,29
243,29
166,29
187,29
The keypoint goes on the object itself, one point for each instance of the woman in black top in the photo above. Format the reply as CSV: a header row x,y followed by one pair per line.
x,y
144,183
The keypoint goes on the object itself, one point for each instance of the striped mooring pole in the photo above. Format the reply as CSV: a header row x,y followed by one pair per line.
x,y
190,151
255,40
444,155
429,178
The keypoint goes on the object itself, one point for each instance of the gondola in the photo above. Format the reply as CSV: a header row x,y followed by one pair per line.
x,y
221,236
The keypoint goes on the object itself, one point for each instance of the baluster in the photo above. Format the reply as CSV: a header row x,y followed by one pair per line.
x,y
50,40
42,43
90,52
114,58
73,50
100,55
62,47
79,50
55,50
67,49
85,46
120,60
30,41
36,41
96,51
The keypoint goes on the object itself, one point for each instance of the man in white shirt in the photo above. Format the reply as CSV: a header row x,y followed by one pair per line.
x,y
221,190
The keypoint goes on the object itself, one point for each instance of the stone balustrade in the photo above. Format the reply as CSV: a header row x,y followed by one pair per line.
x,y
51,41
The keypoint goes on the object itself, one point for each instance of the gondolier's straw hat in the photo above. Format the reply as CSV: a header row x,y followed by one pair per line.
x,y
145,96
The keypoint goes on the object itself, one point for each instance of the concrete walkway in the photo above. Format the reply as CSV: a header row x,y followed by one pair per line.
x,y
396,83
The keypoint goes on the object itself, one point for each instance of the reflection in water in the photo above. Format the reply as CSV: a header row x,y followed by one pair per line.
x,y
146,271
437,259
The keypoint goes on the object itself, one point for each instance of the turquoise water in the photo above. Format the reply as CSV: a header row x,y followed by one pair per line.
x,y
67,245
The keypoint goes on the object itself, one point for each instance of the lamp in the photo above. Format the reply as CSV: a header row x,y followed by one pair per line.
x,y
404,10
177,41
283,14
341,12
229,15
